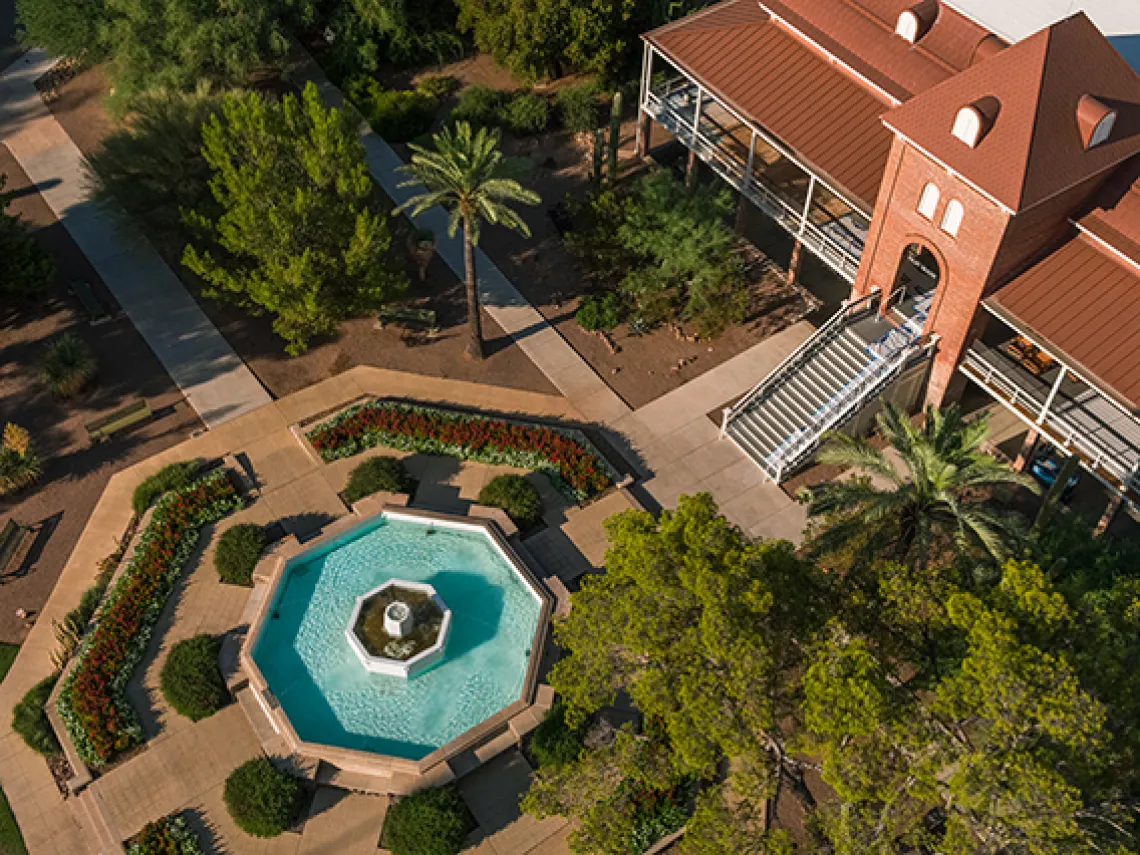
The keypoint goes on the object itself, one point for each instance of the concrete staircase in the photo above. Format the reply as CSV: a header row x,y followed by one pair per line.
x,y
824,384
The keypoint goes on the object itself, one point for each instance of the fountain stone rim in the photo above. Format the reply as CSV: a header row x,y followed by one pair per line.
x,y
386,665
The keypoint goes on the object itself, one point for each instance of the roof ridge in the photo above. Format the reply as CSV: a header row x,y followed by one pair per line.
x,y
1038,94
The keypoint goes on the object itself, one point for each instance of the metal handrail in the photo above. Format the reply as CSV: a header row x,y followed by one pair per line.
x,y
840,406
834,322
994,377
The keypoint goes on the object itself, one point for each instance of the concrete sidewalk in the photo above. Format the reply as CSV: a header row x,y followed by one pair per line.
x,y
213,378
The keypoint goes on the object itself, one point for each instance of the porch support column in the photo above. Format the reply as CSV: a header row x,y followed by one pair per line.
x,y
742,201
644,121
807,205
691,166
1109,514
1026,453
1052,394
795,262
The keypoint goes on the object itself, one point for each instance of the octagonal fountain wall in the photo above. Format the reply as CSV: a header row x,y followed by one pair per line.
x,y
332,698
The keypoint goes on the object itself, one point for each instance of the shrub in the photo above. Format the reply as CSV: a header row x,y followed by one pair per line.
x,y
430,822
479,105
437,86
172,476
30,720
553,743
578,107
380,474
167,836
398,115
19,463
515,495
570,463
25,268
261,800
239,549
67,365
191,679
599,312
526,113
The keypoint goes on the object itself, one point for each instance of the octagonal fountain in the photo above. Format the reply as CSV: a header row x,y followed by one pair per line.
x,y
406,634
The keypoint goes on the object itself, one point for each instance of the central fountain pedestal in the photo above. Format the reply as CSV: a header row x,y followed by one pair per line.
x,y
399,629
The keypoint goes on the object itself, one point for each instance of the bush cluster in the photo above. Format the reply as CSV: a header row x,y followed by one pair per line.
x,y
238,551
262,800
379,474
599,312
67,365
173,476
430,822
522,112
29,719
167,836
578,107
398,115
554,744
515,495
191,679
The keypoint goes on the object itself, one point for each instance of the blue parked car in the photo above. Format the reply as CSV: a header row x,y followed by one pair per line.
x,y
1046,467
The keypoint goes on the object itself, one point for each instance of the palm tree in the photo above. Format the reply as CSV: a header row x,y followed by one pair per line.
x,y
465,173
940,496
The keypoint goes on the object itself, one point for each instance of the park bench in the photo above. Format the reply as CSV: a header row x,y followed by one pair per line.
x,y
96,311
15,541
407,316
124,417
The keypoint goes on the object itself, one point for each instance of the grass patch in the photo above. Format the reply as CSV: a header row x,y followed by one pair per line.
x,y
11,840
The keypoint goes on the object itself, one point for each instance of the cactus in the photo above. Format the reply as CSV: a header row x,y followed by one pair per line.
x,y
599,145
615,137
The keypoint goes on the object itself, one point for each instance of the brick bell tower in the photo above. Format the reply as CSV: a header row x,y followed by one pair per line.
x,y
984,172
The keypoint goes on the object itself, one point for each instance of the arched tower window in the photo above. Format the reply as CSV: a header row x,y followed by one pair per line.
x,y
968,126
928,201
952,217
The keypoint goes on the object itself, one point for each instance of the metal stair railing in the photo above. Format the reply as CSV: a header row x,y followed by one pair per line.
x,y
845,403
848,310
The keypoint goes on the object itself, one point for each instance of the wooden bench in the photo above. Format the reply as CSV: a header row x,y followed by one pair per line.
x,y
407,316
15,541
112,423
96,311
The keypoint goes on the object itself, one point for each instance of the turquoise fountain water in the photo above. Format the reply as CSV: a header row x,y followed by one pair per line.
x,y
328,695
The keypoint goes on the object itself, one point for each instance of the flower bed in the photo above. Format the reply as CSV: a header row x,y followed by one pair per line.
x,y
569,462
167,836
93,703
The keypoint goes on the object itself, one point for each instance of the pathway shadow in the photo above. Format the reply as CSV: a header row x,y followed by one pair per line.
x,y
306,526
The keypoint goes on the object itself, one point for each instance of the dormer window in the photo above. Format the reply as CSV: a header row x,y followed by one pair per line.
x,y
928,201
952,217
1095,120
974,120
914,22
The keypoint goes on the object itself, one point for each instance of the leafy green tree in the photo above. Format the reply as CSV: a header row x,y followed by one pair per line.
x,y
465,173
938,501
368,33
74,29
25,269
153,167
298,235
699,625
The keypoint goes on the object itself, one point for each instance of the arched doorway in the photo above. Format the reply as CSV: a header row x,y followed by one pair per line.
x,y
915,284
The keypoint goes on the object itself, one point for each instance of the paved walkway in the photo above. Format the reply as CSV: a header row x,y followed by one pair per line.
x,y
670,439
214,379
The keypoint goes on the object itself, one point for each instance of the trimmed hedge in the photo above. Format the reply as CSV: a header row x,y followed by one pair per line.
x,y
379,474
430,822
553,743
515,495
93,702
238,551
173,476
568,461
29,719
191,679
262,800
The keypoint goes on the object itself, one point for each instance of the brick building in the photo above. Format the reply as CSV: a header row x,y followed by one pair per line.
x,y
981,197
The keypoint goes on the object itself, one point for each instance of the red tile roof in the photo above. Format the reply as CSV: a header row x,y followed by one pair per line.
x,y
1034,149
1083,304
1114,215
774,79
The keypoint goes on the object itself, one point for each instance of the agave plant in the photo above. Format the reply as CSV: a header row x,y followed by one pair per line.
x,y
67,365
19,465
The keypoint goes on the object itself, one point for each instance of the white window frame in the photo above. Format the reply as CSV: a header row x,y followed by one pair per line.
x,y
952,217
968,126
907,26
928,201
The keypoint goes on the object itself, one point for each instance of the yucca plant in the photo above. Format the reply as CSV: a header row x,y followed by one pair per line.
x,y
67,365
19,465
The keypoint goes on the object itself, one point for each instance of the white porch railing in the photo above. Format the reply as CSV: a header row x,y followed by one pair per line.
x,y
664,105
1001,379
